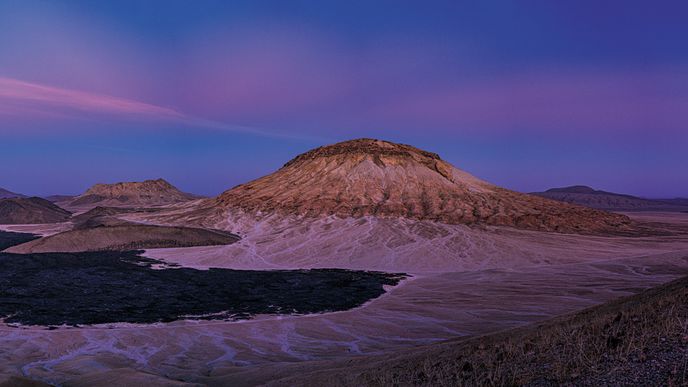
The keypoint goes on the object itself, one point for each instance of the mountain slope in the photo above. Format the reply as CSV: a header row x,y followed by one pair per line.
x,y
5,194
31,211
125,236
58,198
371,177
589,197
128,194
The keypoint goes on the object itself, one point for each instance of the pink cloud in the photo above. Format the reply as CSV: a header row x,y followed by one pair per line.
x,y
34,97
32,101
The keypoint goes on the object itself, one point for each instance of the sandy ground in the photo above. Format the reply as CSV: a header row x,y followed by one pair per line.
x,y
38,229
465,282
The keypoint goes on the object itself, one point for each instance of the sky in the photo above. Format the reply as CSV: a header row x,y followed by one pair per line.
x,y
209,94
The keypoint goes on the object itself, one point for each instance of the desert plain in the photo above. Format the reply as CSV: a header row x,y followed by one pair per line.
x,y
496,278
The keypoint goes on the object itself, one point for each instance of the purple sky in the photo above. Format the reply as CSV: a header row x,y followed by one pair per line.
x,y
210,94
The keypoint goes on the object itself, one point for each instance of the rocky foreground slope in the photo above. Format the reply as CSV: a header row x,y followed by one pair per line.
x,y
636,340
378,178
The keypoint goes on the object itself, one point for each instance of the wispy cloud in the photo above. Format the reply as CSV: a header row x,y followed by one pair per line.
x,y
37,95
31,100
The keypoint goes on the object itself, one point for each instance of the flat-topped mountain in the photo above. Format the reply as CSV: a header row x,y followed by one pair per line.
x,y
32,210
589,197
5,194
368,177
129,194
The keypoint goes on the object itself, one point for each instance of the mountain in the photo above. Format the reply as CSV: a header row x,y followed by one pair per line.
x,y
128,194
368,177
676,201
58,198
589,197
5,194
31,211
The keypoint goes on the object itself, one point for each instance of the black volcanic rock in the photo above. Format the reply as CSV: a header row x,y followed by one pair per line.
x,y
32,210
110,287
9,239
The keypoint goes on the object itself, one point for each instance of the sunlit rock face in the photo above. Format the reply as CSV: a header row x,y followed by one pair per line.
x,y
372,177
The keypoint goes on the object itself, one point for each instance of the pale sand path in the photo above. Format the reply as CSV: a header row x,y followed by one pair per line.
x,y
38,229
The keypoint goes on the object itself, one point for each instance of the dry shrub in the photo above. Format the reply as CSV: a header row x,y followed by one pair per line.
x,y
568,349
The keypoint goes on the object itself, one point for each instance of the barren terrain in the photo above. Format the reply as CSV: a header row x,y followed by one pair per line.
x,y
481,281
31,211
479,259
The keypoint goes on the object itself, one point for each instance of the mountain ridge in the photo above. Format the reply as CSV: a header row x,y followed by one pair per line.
x,y
612,201
33,210
7,194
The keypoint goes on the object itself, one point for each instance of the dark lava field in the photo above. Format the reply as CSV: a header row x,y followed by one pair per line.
x,y
9,239
113,286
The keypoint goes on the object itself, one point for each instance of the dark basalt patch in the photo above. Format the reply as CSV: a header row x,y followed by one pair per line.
x,y
9,239
107,287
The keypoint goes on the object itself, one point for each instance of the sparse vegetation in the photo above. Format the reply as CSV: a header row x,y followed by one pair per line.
x,y
638,339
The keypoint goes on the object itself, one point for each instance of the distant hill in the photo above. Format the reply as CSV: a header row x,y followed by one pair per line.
x,y
589,197
58,198
148,193
5,194
31,211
